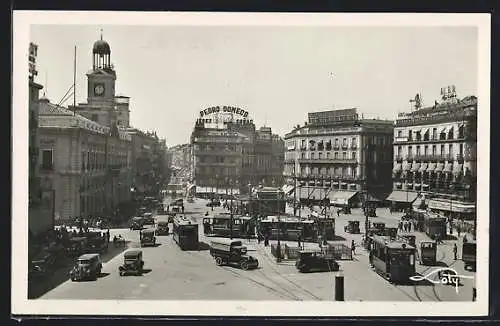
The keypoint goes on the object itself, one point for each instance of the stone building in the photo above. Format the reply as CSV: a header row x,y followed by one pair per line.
x,y
339,156
435,156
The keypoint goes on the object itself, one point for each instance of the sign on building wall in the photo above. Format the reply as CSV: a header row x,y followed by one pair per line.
x,y
224,109
33,52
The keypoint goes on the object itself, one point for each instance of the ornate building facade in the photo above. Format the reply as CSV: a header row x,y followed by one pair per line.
x,y
228,152
337,155
435,155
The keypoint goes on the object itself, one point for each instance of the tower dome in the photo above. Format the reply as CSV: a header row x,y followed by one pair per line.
x,y
101,47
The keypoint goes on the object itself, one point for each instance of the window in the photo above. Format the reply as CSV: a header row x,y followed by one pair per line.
x,y
426,150
353,143
353,172
450,150
400,133
328,155
312,156
319,155
461,149
336,155
400,150
353,155
344,155
434,133
303,155
95,117
418,150
410,151
433,149
47,159
336,142
409,135
442,150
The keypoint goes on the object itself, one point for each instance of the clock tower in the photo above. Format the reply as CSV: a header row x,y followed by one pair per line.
x,y
101,79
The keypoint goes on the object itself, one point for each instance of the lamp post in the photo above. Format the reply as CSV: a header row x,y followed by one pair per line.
x,y
278,245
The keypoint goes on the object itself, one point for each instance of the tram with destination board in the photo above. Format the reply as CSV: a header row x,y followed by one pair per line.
x,y
185,233
393,259
219,225
435,226
291,228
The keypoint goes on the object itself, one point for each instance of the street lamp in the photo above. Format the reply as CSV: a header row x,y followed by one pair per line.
x,y
278,245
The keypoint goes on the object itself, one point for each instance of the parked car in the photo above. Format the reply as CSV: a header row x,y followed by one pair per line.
x,y
352,227
87,266
132,263
148,219
137,223
227,251
148,237
310,261
469,255
162,228
428,253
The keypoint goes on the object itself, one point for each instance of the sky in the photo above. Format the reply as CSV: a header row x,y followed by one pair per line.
x,y
277,74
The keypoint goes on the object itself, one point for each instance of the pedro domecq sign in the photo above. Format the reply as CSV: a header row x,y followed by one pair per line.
x,y
223,109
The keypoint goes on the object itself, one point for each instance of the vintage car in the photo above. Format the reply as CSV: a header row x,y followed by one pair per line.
x,y
132,263
77,246
352,227
379,225
87,266
227,251
148,237
42,264
428,253
136,223
162,228
148,219
469,255
96,242
311,261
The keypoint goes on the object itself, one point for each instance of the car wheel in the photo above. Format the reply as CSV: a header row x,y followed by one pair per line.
x,y
219,261
244,265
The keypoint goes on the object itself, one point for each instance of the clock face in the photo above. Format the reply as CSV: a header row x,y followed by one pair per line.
x,y
99,89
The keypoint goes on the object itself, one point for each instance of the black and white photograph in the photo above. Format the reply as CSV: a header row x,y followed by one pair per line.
x,y
250,164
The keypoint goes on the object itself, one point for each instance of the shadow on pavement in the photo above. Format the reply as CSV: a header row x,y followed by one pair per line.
x,y
39,286
202,246
103,275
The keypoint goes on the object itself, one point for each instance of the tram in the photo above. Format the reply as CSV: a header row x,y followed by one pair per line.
x,y
185,233
291,228
434,225
220,226
393,259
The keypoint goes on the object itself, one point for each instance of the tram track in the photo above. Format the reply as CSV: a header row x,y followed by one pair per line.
x,y
285,294
304,290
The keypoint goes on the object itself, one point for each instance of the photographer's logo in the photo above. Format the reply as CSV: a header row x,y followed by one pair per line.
x,y
445,276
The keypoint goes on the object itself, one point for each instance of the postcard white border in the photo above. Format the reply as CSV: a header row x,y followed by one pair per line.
x,y
21,38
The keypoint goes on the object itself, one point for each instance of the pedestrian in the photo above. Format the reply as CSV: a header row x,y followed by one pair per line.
x,y
353,247
465,239
409,226
298,242
338,212
107,235
459,229
455,249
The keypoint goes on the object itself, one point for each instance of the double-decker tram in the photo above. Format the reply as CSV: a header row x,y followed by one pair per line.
x,y
185,233
393,259
219,225
434,226
288,228
325,225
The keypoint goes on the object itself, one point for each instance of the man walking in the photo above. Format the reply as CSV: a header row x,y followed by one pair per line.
x,y
353,247
455,249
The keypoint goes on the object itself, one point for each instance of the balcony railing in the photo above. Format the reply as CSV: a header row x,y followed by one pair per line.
x,y
327,161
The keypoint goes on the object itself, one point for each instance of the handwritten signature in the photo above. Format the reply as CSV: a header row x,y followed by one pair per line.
x,y
445,276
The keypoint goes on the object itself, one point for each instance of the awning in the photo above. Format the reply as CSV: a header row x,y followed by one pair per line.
x,y
445,130
431,167
452,205
407,167
312,193
372,198
424,131
449,167
439,167
423,167
341,197
402,196
458,169
397,168
415,167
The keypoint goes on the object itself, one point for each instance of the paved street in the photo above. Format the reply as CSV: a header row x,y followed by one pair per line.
x,y
175,274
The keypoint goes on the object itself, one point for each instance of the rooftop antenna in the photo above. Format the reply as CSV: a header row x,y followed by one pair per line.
x,y
74,82
417,100
46,85
101,33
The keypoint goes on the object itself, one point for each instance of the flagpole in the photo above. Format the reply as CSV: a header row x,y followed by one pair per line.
x,y
74,82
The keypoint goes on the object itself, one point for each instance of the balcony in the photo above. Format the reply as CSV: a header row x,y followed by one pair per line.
x,y
336,147
217,152
398,158
354,146
327,161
